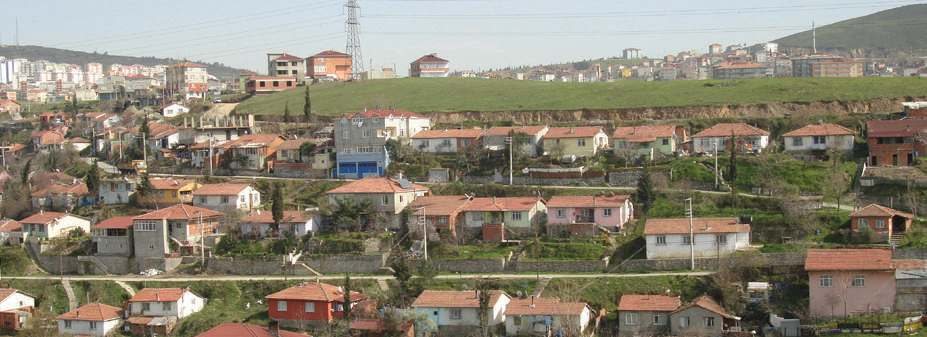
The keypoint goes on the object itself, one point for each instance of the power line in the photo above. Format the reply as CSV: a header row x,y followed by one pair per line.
x,y
353,44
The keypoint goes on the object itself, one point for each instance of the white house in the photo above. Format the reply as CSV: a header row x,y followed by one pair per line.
x,y
93,319
48,225
495,138
670,238
114,191
259,224
227,196
546,317
446,141
165,302
174,110
748,138
819,137
15,308
458,311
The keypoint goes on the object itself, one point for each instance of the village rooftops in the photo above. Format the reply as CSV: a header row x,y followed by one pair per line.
x,y
699,226
78,188
179,212
895,128
314,291
220,189
330,53
543,307
631,302
590,201
449,133
168,183
93,312
644,133
707,303
494,204
246,330
573,132
453,299
43,217
825,129
436,205
119,222
876,210
731,129
158,295
377,185
506,130
383,113
848,259
10,225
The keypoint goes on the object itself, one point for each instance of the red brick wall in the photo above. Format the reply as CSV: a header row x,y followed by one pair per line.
x,y
296,310
871,223
883,152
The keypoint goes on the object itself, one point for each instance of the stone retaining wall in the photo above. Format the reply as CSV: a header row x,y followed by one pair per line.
x,y
476,266
565,266
274,265
795,259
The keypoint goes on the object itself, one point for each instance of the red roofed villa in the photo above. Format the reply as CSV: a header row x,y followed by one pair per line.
x,y
717,137
888,224
845,282
670,238
309,304
390,196
92,319
649,140
823,136
646,315
447,140
493,218
584,215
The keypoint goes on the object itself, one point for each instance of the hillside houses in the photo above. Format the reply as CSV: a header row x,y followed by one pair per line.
x,y
718,137
573,142
529,137
447,141
712,237
360,140
649,140
389,196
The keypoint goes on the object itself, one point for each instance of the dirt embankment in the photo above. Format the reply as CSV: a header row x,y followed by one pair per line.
x,y
882,105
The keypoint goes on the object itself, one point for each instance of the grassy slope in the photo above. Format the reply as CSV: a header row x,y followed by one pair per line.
x,y
899,28
454,94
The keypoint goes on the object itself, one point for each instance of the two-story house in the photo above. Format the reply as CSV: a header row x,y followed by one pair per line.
x,y
820,137
447,140
113,236
527,138
546,317
330,65
649,140
844,282
712,237
429,66
49,225
174,110
703,317
155,311
260,224
162,137
360,139
47,140
442,215
895,142
286,65
59,196
118,190
169,191
584,215
94,319
15,309
253,152
227,196
457,313
889,224
574,142
646,315
717,138
309,304
184,226
389,196
492,219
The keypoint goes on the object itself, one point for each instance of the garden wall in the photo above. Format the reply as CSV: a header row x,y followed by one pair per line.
x,y
794,259
563,266
274,265
475,266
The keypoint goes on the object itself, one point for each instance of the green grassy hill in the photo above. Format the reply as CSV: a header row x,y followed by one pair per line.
x,y
899,28
455,94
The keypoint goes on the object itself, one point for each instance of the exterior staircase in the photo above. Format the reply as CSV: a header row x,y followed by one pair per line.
x,y
895,239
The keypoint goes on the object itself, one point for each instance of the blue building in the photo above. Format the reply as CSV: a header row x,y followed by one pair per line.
x,y
360,140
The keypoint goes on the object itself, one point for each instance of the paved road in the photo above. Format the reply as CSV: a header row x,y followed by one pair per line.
x,y
226,278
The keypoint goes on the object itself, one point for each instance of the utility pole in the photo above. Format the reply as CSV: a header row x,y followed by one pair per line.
x,y
424,220
691,233
145,149
353,45
210,156
202,247
511,141
717,183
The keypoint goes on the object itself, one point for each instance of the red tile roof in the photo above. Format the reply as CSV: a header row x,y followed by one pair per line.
x,y
179,212
573,132
543,307
383,113
895,128
440,205
77,189
911,264
681,226
330,53
42,218
848,259
505,130
708,303
825,129
494,204
48,137
368,324
631,302
644,133
728,129
588,201
158,295
879,210
9,225
93,312
314,291
430,58
376,185
245,330
453,299
119,222
268,217
288,57
168,183
449,133
160,130
293,144
220,189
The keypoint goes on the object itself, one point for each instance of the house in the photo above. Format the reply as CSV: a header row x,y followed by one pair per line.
x,y
59,196
889,224
584,215
186,80
546,317
94,319
442,214
703,317
670,238
227,196
389,196
97,122
360,140
169,191
78,144
911,109
822,137
492,218
457,313
738,70
292,161
252,152
8,106
155,311
717,138
259,224
113,236
649,140
162,136
330,65
844,282
49,225
250,330
447,141
429,66
377,327
826,66
289,151
186,227
286,65
262,85
47,140
11,232
309,304
174,110
11,151
646,315
895,142
114,191
573,142
16,308
530,138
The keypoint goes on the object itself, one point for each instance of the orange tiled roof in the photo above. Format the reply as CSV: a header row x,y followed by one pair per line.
x,y
78,189
699,225
907,264
728,129
632,302
331,53
376,185
168,183
505,130
220,189
48,137
739,65
544,307
644,133
708,303
573,132
178,212
435,205
879,210
494,204
314,291
246,330
158,295
848,259
825,129
895,128
430,58
7,292
93,312
449,133
453,299
9,225
288,57
119,222
42,218
588,201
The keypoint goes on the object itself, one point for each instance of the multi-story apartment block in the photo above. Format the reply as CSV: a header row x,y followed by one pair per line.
x,y
286,65
360,139
189,80
330,64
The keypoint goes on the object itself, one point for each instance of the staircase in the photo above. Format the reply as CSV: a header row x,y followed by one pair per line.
x,y
895,239
96,262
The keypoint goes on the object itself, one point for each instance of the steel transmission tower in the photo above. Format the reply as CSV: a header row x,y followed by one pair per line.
x,y
353,47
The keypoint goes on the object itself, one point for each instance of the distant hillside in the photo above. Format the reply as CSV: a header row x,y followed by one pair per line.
x,y
78,57
899,29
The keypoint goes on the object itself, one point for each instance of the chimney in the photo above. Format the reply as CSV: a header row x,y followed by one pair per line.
x,y
273,327
532,301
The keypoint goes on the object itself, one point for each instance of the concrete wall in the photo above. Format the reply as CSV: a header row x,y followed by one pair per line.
x,y
471,266
910,295
566,266
274,265
796,259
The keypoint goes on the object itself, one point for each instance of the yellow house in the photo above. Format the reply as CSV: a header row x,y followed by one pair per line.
x,y
575,141
170,191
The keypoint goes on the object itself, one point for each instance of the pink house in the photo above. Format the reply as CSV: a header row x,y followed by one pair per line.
x,y
582,215
844,282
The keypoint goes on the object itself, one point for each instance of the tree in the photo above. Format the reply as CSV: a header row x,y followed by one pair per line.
x,y
142,190
484,289
732,166
307,105
277,206
402,272
143,132
305,151
24,174
347,296
72,107
286,112
92,179
645,194
352,216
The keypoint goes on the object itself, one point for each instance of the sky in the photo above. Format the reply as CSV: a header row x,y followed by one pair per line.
x,y
472,34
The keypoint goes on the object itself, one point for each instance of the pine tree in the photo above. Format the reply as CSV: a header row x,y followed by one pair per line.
x,y
286,113
92,179
645,194
276,207
142,190
24,174
347,296
307,105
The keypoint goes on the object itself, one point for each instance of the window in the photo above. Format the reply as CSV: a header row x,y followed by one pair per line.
x,y
345,135
442,220
862,223
477,216
67,324
456,314
880,223
146,306
797,141
93,325
607,212
826,281
310,307
338,307
225,199
276,84
281,306
665,141
290,83
686,240
166,306
262,84
319,68
709,321
580,142
145,226
384,200
859,281
659,319
202,200
819,140
293,64
400,199
516,216
294,72
661,240
366,133
631,318
721,239
561,213
241,198
684,322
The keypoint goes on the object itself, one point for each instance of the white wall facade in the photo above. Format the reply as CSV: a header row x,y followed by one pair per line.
x,y
187,305
707,144
706,245
435,145
806,143
247,199
174,110
56,228
91,328
469,316
16,301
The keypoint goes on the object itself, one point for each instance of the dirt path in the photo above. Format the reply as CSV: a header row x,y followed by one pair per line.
x,y
72,300
127,287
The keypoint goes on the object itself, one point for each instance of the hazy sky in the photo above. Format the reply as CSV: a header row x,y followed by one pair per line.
x,y
472,34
